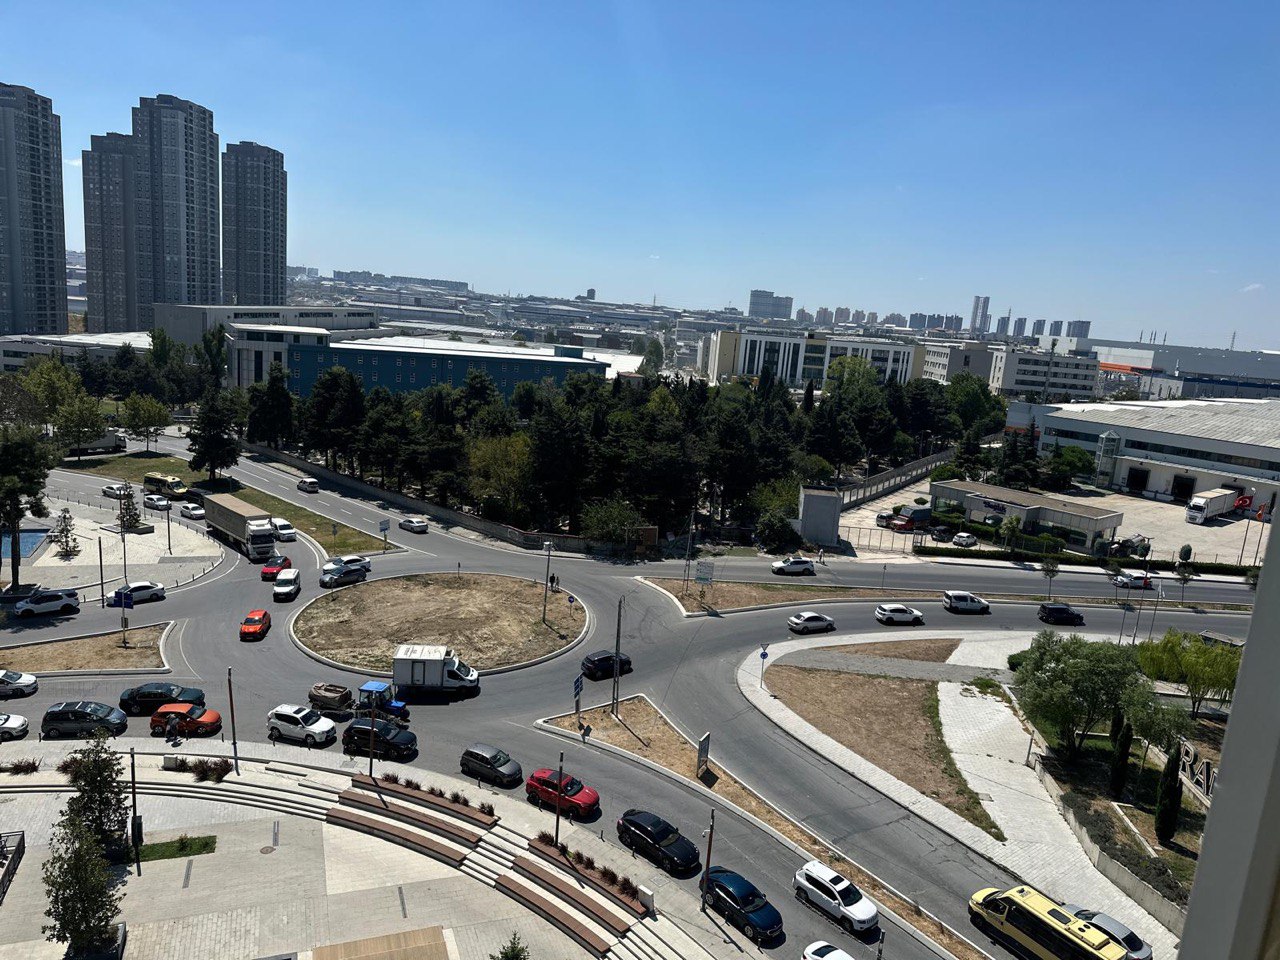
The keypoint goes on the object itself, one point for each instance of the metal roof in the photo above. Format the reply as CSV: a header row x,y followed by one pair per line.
x,y
404,344
1255,422
1023,498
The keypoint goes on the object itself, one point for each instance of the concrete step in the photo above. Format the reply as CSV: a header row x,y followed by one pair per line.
x,y
490,862
581,916
622,951
647,950
439,838
509,848
267,803
476,873
510,835
670,939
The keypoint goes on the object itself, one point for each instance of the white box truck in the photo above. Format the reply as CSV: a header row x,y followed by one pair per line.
x,y
246,527
418,668
1204,506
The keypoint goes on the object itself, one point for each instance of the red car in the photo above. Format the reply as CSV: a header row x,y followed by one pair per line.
x,y
274,565
575,798
193,719
255,625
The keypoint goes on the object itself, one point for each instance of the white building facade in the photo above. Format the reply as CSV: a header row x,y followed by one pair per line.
x,y
797,358
1016,373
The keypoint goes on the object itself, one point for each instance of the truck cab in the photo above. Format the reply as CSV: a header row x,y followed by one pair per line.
x,y
419,668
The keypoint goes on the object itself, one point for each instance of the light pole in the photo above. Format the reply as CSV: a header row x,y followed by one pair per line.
x,y
231,699
546,580
559,794
706,867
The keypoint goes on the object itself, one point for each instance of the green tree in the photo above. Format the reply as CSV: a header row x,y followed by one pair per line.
x,y
1203,670
610,521
127,515
499,476
775,532
96,773
1184,553
51,384
64,535
212,438
1168,800
26,458
213,354
78,421
1120,761
513,949
1185,573
335,407
145,417
652,363
1155,721
1049,570
84,900
1010,527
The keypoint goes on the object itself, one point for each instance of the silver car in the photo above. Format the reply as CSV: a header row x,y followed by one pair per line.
x,y
810,622
413,525
1138,948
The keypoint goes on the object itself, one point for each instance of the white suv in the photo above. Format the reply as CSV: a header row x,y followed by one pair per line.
x,y
48,601
958,601
283,529
304,724
800,566
819,886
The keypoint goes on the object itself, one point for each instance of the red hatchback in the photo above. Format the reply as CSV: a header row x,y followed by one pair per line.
x,y
271,569
193,720
575,798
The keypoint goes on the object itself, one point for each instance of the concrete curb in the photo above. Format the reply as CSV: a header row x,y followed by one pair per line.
x,y
121,672
1067,568
546,726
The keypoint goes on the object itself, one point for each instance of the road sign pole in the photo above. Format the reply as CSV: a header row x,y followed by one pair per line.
x,y
102,576
546,580
706,867
231,700
559,794
617,659
764,655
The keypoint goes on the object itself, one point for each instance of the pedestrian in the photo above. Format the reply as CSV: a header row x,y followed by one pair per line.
x,y
171,730
821,555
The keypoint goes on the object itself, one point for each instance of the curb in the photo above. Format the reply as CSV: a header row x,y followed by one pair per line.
x,y
119,672
1067,568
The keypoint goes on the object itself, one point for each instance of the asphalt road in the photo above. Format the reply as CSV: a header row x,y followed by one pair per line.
x,y
686,666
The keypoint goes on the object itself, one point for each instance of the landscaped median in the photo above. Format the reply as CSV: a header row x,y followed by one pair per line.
x,y
99,652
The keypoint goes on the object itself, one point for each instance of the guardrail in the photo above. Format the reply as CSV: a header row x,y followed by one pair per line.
x,y
12,847
858,492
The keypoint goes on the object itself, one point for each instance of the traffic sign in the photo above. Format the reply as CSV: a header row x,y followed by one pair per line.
x,y
384,526
764,654
572,599
704,572
577,685
335,529
704,754
126,601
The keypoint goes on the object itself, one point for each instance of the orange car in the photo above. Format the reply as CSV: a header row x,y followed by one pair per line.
x,y
255,625
193,720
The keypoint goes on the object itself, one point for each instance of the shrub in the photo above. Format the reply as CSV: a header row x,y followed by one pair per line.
x,y
435,792
67,766
579,857
547,837
609,875
390,778
184,843
182,765
413,784
563,849
22,767
588,862
219,769
628,889
201,769
922,500
486,809
459,798
1016,660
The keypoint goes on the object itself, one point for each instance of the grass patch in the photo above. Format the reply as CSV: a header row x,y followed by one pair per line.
x,y
991,688
348,540
183,846
101,652
930,650
489,621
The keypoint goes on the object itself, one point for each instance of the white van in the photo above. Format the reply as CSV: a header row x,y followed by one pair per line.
x,y
309,485
283,529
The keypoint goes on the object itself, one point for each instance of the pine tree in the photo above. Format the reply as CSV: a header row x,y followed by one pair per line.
x,y
513,949
96,773
129,516
83,899
64,535
1169,799
1120,761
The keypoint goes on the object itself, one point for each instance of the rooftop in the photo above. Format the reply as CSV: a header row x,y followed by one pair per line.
x,y
1255,422
138,339
279,328
435,345
1024,498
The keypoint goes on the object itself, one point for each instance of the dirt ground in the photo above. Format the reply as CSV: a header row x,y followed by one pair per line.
x,y
928,651
893,728
1207,734
644,732
489,621
88,653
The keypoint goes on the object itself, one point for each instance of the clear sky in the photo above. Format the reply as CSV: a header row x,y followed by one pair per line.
x,y
1115,162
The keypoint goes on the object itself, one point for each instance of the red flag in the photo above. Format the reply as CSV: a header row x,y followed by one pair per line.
x,y
1243,502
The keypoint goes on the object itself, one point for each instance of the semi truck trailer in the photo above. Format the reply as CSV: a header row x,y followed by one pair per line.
x,y
246,527
1204,506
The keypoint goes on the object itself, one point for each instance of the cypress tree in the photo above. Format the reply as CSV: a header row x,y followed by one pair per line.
x,y
1120,761
1168,800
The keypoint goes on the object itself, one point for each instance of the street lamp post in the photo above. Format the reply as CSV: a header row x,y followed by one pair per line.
x,y
706,867
559,794
546,580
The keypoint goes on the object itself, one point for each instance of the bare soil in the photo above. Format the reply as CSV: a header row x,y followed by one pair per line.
x,y
1207,734
102,652
488,621
925,651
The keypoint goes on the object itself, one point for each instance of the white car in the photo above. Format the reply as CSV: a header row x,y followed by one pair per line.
x,y
283,529
116,491
413,525
351,561
288,584
897,613
304,724
48,601
309,485
958,601
964,540
794,566
821,950
191,511
819,886
153,501
14,684
12,726
142,591
809,622
1132,580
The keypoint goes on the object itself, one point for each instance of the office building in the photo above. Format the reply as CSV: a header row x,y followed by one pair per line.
x,y
254,224
1081,524
111,275
796,358
980,319
842,315
1078,328
1020,327
33,248
765,305
1053,375
944,360
1055,328
1037,328
824,317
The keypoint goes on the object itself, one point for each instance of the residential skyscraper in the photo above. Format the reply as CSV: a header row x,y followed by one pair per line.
x,y
1020,327
1079,328
33,247
842,315
764,304
824,317
109,234
980,319
1002,326
1037,328
1055,328
803,317
254,224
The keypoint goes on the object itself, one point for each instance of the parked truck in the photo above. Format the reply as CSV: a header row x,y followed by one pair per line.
x,y
421,669
1204,506
246,527
110,442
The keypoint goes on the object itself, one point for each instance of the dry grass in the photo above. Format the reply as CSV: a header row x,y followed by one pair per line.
x,y
645,733
102,652
926,651
897,729
1207,734
489,621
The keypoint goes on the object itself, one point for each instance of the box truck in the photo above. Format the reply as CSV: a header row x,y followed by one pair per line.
x,y
246,527
1203,507
419,669
110,442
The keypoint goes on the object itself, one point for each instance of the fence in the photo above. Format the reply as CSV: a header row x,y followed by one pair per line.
x,y
877,539
859,492
12,847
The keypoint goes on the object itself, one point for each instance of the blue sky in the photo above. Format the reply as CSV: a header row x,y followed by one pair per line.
x,y
1114,162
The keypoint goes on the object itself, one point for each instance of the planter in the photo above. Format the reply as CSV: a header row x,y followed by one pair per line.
x,y
424,799
113,952
549,853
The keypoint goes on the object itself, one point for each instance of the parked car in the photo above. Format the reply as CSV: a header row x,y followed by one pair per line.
x,y
149,697
387,740
650,835
15,684
46,602
342,577
82,718
993,519
897,613
142,591
819,886
153,501
193,720
599,665
821,950
308,726
255,625
191,511
1138,948
1060,613
117,491
794,566
574,797
901,524
810,622
958,601
288,584
12,726
283,529
941,534
1132,580
884,518
350,561
309,485
413,525
487,762
963,539
736,899
274,564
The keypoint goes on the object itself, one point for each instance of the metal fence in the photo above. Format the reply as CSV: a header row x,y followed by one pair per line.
x,y
12,847
858,492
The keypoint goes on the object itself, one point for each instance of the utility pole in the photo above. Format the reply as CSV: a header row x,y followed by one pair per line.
x,y
231,699
102,576
133,821
706,866
371,718
559,795
168,527
546,580
1155,612
617,659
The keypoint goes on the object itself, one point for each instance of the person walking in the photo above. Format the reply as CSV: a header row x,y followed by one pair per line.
x,y
821,556
171,730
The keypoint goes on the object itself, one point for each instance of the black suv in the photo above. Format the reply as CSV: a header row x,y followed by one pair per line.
x,y
150,697
599,665
388,741
941,534
1060,613
487,762
649,834
82,718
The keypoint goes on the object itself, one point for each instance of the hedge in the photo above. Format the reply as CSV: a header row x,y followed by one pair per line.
x,y
1074,559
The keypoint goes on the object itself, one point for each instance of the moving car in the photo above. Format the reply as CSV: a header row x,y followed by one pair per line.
x,y
819,886
648,834
574,797
736,899
350,561
1138,948
599,665
191,511
288,584
48,601
15,684
342,577
387,739
821,950
1060,613
283,529
309,485
884,518
12,726
82,718
487,762
117,491
1132,580
153,501
897,613
959,601
413,525
810,622
255,625
142,591
794,566
149,697
963,539
274,564
193,720
291,722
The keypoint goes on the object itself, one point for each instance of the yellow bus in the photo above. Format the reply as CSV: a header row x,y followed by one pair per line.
x,y
1038,926
165,485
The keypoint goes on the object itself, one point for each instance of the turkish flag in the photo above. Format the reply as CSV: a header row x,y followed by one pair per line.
x,y
1243,502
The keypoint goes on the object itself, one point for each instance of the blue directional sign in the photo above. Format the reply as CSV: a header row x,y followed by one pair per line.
x,y
384,526
572,599
126,600
764,654
577,685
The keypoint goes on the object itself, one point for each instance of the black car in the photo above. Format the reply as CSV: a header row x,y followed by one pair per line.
x,y
942,534
150,697
82,718
487,762
736,899
1060,613
599,665
649,834
387,741
343,576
